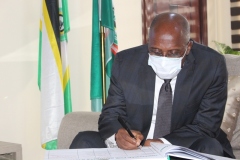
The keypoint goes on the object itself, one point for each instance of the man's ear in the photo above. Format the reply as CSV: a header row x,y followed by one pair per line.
x,y
189,47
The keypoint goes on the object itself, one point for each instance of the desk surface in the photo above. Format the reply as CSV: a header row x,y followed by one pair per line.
x,y
109,153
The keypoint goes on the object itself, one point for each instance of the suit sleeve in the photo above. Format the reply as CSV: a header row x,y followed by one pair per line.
x,y
115,105
210,112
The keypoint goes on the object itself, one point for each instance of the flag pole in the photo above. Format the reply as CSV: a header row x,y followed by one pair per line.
x,y
103,65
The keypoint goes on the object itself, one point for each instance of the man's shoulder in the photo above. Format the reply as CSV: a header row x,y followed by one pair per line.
x,y
135,50
131,55
203,50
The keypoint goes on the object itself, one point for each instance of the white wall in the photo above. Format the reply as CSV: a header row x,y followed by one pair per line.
x,y
19,94
219,22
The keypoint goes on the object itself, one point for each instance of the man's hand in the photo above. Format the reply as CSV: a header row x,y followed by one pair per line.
x,y
125,141
148,141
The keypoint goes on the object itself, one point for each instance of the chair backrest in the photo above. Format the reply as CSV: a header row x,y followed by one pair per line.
x,y
233,64
73,123
231,119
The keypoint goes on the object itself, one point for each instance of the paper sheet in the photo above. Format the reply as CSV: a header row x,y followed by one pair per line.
x,y
156,151
102,154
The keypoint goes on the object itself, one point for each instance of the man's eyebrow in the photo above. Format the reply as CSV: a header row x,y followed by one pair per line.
x,y
175,49
154,48
169,49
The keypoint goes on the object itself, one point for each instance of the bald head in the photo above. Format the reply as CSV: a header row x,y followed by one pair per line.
x,y
169,36
171,23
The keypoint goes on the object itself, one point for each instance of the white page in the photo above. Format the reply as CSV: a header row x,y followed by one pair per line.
x,y
175,151
103,153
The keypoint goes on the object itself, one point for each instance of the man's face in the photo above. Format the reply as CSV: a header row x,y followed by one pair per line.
x,y
167,42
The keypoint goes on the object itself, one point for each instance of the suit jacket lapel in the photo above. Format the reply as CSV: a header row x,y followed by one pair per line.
x,y
148,76
182,90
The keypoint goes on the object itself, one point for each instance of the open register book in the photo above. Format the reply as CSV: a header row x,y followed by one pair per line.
x,y
155,151
180,152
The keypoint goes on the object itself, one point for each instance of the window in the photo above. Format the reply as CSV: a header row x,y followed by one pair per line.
x,y
194,10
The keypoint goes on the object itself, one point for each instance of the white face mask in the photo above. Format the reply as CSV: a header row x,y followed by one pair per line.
x,y
165,68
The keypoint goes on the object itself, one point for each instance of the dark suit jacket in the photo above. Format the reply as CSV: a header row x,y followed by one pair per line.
x,y
199,97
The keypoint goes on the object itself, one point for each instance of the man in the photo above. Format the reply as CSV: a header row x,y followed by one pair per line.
x,y
198,81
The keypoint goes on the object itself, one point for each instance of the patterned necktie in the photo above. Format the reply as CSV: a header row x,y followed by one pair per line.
x,y
164,110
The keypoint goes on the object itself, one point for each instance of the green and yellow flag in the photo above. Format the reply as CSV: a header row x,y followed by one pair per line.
x,y
103,19
53,70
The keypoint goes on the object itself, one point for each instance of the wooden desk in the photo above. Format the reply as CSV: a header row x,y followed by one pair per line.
x,y
11,149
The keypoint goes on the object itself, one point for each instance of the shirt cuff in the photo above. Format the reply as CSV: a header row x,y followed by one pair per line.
x,y
110,142
165,141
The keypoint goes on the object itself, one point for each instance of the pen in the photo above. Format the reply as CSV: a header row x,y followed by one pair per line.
x,y
124,125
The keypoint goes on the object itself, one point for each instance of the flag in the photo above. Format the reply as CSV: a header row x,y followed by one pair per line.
x,y
53,70
64,29
102,16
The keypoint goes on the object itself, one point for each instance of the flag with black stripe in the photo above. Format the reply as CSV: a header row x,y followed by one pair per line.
x,y
52,76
